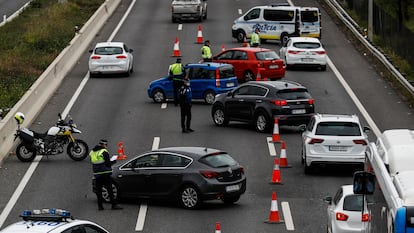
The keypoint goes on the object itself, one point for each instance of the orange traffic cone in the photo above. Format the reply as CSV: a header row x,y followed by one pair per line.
x,y
283,157
222,48
276,173
121,153
245,43
218,228
176,52
199,35
276,136
274,212
258,75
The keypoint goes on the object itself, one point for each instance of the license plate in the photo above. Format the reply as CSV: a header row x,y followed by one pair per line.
x,y
298,111
232,188
307,59
229,84
274,67
337,148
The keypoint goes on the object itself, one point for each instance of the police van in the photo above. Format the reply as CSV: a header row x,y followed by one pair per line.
x,y
277,22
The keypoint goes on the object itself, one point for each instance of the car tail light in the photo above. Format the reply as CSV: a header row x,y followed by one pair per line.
x,y
217,78
311,101
209,174
365,218
315,141
360,141
121,57
293,51
95,57
320,52
279,102
341,216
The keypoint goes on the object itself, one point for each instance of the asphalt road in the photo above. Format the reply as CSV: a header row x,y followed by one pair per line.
x,y
118,109
7,8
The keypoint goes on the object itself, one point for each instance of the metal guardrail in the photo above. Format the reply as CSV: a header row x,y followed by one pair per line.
x,y
356,30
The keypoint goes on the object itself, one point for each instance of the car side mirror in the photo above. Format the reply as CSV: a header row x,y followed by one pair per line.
x,y
366,129
230,93
131,50
90,50
328,200
364,183
302,128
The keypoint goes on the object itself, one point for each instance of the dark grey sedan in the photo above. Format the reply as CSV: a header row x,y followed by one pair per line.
x,y
189,175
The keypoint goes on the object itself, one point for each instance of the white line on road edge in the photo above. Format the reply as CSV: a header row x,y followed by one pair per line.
x,y
287,216
271,146
180,27
156,143
19,190
163,105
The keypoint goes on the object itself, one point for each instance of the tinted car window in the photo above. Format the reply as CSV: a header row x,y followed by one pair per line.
x,y
226,56
338,196
93,229
218,160
175,161
225,72
150,160
267,55
309,16
306,45
108,50
259,91
293,94
338,129
278,15
253,14
353,203
239,55
75,229
199,73
242,91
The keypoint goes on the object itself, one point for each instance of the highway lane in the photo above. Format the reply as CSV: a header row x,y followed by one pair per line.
x,y
118,109
8,8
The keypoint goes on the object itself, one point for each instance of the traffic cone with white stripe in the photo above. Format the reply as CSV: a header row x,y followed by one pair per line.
x,y
276,179
199,35
283,156
245,43
176,52
274,211
222,48
276,136
121,152
218,228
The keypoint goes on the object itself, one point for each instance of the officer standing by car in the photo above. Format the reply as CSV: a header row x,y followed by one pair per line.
x,y
185,106
255,39
177,74
102,170
206,52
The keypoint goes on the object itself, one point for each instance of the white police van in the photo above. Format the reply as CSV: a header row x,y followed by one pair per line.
x,y
278,23
52,221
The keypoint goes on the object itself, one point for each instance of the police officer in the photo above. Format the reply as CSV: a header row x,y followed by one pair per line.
x,y
206,52
255,39
102,170
185,106
177,73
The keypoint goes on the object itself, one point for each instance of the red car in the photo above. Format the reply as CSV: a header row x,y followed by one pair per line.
x,y
248,60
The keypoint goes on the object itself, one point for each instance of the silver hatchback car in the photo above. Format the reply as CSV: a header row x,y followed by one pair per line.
x,y
111,58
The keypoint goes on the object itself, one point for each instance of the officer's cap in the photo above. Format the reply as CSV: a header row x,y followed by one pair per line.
x,y
103,142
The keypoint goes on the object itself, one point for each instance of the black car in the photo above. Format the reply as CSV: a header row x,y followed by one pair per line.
x,y
259,102
189,175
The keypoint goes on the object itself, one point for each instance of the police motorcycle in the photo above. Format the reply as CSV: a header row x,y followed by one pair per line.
x,y
50,143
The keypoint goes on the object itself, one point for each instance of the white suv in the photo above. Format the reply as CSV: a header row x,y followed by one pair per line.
x,y
333,139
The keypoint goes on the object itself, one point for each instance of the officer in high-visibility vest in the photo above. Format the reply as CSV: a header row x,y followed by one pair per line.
x,y
177,74
206,52
255,39
102,170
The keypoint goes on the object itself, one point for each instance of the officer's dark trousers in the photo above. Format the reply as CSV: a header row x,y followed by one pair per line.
x,y
104,181
177,85
185,116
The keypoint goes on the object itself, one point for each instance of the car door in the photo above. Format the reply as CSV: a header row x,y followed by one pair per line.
x,y
333,207
228,57
238,105
199,77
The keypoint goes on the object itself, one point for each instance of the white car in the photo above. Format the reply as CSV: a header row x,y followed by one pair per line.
x,y
333,139
303,51
111,58
345,211
52,221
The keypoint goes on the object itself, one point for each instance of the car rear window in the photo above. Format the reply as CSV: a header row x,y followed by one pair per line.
x,y
218,160
306,45
353,203
293,94
226,72
108,50
267,55
309,16
338,129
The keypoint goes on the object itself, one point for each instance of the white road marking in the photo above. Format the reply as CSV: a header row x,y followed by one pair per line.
x,y
156,143
287,216
180,27
240,11
271,146
163,105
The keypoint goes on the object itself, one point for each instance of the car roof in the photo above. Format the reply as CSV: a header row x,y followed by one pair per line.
x,y
106,44
209,64
337,117
347,189
305,39
280,85
192,151
44,227
251,49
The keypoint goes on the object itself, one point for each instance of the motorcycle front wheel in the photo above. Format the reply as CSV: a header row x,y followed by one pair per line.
x,y
78,150
25,154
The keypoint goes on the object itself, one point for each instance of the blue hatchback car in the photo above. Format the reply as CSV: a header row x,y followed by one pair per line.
x,y
206,80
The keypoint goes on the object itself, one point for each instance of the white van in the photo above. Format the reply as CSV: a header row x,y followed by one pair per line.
x,y
396,149
278,23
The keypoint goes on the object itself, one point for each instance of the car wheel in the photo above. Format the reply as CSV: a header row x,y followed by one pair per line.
x,y
105,193
262,122
209,97
248,76
219,117
230,200
283,38
190,197
205,16
173,20
306,169
240,36
158,96
323,67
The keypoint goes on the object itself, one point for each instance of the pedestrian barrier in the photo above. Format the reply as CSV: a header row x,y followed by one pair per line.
x,y
283,156
121,152
176,52
274,211
199,35
276,179
218,228
276,136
